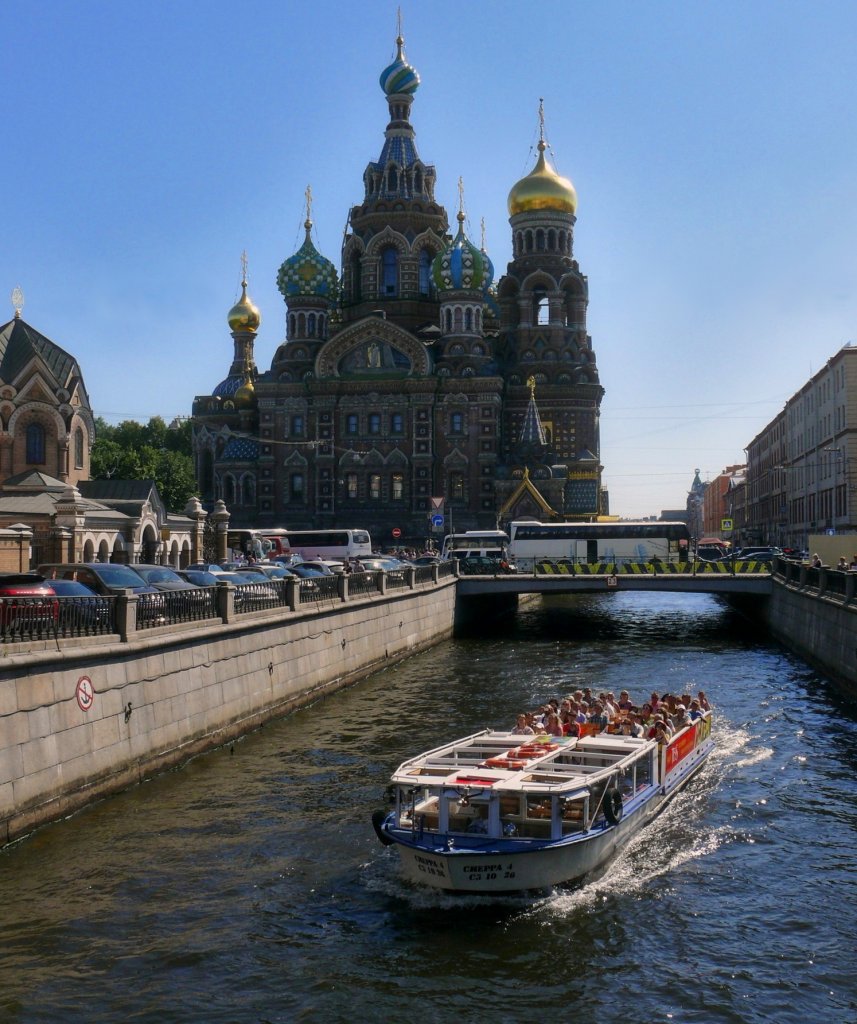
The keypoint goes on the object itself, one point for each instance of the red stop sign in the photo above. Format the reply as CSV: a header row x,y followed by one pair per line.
x,y
397,532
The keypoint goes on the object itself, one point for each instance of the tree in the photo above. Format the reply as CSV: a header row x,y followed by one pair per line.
x,y
154,451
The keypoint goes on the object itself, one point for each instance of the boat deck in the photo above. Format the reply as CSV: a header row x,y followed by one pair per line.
x,y
507,761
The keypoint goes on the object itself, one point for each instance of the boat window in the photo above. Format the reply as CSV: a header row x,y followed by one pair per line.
x,y
467,815
573,815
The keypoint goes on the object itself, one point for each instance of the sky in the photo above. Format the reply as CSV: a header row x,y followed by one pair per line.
x,y
712,147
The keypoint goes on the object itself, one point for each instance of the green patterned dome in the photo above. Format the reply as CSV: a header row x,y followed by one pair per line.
x,y
307,274
399,77
461,265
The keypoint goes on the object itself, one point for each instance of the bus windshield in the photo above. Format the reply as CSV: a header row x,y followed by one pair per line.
x,y
488,543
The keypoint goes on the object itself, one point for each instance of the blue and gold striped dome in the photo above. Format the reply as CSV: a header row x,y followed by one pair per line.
x,y
399,77
307,274
460,265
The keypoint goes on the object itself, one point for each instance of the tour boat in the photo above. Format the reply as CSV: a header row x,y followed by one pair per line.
x,y
498,812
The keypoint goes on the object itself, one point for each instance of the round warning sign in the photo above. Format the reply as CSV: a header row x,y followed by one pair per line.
x,y
85,693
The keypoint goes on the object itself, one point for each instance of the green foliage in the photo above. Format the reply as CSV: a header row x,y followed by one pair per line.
x,y
152,451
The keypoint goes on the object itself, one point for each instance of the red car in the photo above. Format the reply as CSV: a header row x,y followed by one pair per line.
x,y
28,606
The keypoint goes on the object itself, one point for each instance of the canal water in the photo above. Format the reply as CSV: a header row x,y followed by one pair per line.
x,y
249,886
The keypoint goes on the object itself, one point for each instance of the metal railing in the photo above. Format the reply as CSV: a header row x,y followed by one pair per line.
x,y
86,616
28,618
262,596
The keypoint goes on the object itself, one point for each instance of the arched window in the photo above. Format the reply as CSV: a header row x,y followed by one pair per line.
x,y
468,319
302,325
229,490
351,423
448,321
398,482
322,325
458,318
529,237
292,325
36,444
456,486
248,490
310,325
392,179
425,273
456,423
351,486
356,291
296,487
541,307
540,240
78,448
375,486
551,240
478,319
418,180
389,272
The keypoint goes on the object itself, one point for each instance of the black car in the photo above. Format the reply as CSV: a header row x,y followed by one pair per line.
x,y
81,609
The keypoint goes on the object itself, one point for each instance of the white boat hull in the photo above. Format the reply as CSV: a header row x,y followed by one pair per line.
x,y
502,866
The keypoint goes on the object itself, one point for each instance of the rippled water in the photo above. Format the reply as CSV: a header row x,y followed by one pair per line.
x,y
249,885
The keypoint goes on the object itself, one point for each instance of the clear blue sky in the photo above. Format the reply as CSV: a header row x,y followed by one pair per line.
x,y
712,146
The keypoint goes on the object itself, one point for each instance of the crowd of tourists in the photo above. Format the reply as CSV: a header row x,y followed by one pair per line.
x,y
584,713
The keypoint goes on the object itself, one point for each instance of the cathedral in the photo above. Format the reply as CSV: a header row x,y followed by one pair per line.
x,y
410,383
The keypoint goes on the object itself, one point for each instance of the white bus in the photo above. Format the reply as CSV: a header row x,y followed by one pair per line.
x,y
490,543
309,544
596,542
332,544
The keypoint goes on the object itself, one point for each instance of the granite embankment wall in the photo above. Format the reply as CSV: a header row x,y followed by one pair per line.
x,y
813,612
92,718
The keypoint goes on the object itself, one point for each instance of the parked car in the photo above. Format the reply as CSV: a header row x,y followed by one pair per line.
x,y
252,590
102,577
268,570
306,571
757,554
201,577
163,578
426,560
482,565
211,567
109,578
80,608
384,563
27,604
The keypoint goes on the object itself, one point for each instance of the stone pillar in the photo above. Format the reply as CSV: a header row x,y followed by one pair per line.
x,y
220,517
195,511
70,512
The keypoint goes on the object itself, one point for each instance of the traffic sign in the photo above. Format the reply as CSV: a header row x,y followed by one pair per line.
x,y
437,520
725,525
397,532
85,693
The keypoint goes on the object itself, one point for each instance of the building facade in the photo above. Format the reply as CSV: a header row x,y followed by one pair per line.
x,y
408,378
800,467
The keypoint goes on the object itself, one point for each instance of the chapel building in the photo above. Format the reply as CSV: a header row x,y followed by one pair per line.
x,y
409,376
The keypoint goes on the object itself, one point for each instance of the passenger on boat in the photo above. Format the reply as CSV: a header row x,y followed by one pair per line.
x,y
625,703
521,727
695,710
661,732
598,716
630,728
681,718
703,701
654,700
552,724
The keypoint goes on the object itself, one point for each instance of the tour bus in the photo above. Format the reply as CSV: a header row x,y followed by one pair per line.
x,y
487,543
596,542
327,544
308,544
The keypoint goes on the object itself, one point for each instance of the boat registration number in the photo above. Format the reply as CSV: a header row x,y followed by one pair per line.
x,y
487,872
430,865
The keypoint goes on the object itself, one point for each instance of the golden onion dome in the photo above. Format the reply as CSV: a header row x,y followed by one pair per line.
x,y
245,395
244,316
542,189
